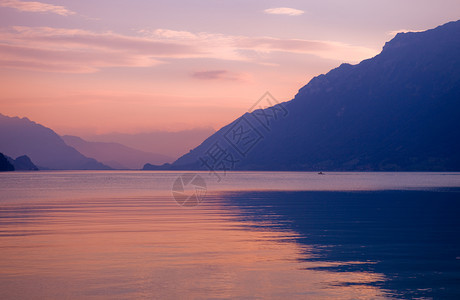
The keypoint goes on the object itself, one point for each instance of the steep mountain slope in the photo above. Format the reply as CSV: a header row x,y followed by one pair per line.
x,y
397,111
115,155
44,147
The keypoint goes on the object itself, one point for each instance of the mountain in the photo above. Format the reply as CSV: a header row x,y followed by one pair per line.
x,y
22,163
170,144
115,155
399,110
5,164
42,145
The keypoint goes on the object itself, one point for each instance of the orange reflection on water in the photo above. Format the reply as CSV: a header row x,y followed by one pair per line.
x,y
150,247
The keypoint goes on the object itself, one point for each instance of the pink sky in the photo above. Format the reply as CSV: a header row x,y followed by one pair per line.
x,y
84,67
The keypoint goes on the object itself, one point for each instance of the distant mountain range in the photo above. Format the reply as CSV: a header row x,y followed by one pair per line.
x,y
397,111
44,147
169,144
115,155
19,137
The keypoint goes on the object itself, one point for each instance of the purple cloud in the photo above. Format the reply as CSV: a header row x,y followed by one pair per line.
x,y
33,6
215,74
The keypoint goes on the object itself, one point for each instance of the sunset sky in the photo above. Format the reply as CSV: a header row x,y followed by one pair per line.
x,y
85,67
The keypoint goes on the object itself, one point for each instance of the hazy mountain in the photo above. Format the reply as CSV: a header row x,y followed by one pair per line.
x,y
5,164
397,111
115,155
170,144
43,146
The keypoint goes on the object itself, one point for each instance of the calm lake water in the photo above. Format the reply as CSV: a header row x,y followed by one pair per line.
x,y
255,235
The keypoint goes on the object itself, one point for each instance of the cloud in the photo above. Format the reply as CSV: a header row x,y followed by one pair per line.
x,y
284,11
36,7
61,60
80,51
323,49
172,34
245,48
215,74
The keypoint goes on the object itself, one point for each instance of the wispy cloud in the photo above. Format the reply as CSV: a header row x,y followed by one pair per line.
x,y
247,48
75,50
323,49
32,6
216,75
284,11
81,51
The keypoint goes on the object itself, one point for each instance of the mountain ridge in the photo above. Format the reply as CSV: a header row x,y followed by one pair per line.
x,y
21,136
115,155
397,111
168,143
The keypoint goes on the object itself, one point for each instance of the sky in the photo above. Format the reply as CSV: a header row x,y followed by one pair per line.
x,y
99,66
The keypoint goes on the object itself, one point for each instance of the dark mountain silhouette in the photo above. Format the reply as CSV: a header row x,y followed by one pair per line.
x,y
5,165
22,163
115,155
397,111
42,145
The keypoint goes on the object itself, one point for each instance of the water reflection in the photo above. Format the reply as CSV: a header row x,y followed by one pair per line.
x,y
151,248
121,235
411,238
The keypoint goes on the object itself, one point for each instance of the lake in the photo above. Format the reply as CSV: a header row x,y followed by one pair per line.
x,y
251,235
